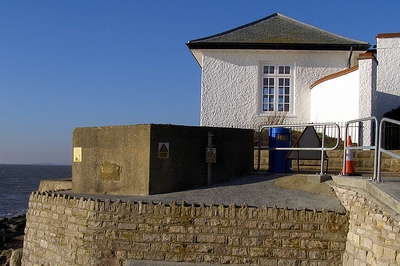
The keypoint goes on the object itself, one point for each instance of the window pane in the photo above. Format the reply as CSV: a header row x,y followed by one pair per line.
x,y
287,82
271,99
286,107
286,99
280,99
287,90
265,90
271,90
271,107
284,70
280,107
280,82
265,103
269,69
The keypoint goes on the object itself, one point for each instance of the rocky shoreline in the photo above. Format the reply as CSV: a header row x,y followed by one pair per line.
x,y
11,240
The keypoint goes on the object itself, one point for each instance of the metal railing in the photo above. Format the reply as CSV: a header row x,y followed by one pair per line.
x,y
354,130
382,149
347,148
390,136
322,148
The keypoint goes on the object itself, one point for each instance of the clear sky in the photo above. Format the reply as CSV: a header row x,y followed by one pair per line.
x,y
67,64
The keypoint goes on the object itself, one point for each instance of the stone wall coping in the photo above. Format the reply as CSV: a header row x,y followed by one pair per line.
x,y
389,200
55,184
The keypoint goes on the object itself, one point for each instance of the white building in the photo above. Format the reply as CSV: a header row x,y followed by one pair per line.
x,y
278,65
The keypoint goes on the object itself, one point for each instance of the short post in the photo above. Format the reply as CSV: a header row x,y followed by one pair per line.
x,y
210,158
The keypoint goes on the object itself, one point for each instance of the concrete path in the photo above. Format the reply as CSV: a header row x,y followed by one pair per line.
x,y
390,185
253,190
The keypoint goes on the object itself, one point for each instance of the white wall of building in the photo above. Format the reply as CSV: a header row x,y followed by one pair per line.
x,y
388,79
231,85
336,99
367,86
367,91
348,97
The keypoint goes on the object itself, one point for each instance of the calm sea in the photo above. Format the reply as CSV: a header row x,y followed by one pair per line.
x,y
18,181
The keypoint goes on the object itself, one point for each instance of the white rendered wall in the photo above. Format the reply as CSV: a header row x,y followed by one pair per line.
x,y
388,86
336,100
347,97
367,92
367,87
230,93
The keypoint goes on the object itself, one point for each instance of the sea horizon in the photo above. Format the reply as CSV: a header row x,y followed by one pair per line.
x,y
18,181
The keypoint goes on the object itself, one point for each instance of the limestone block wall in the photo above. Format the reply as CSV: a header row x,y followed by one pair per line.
x,y
373,237
62,230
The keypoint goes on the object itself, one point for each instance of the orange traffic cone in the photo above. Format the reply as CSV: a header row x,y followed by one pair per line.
x,y
350,169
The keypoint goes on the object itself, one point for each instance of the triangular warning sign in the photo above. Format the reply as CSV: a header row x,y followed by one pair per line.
x,y
163,148
308,139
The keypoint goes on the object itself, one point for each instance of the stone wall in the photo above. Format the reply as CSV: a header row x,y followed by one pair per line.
x,y
363,161
62,230
373,237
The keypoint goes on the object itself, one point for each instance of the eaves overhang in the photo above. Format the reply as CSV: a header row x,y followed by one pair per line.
x,y
278,46
197,48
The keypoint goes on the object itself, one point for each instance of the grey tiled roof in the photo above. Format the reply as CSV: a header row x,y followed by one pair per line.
x,y
277,32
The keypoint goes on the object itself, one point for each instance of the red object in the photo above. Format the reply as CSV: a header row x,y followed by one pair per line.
x,y
350,169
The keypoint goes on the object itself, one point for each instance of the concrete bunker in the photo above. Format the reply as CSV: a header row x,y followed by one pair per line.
x,y
151,158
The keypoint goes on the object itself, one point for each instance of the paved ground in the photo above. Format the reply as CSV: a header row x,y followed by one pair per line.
x,y
390,185
292,192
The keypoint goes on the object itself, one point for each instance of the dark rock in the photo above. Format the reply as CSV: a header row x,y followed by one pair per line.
x,y
11,232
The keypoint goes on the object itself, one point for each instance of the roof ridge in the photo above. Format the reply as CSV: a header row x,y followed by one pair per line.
x,y
237,28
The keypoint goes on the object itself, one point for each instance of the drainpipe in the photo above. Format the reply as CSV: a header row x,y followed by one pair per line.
x,y
351,54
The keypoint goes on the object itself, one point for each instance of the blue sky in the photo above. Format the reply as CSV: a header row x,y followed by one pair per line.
x,y
68,64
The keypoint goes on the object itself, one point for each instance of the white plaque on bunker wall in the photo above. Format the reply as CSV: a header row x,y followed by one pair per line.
x,y
77,154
